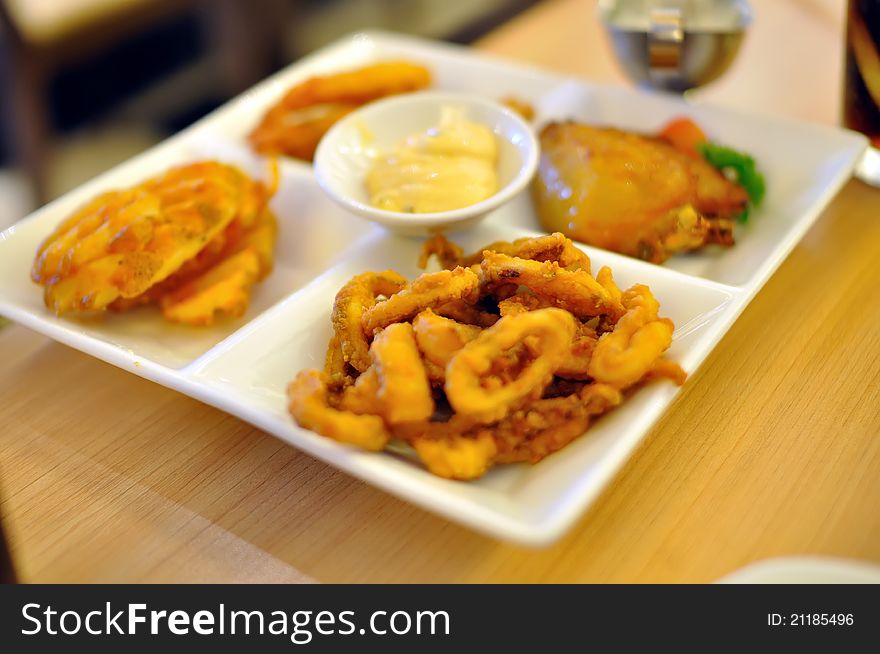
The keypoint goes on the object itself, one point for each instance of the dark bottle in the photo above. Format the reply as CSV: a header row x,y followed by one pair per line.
x,y
7,572
861,98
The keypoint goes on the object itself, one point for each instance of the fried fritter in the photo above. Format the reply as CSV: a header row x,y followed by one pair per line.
x,y
296,124
130,247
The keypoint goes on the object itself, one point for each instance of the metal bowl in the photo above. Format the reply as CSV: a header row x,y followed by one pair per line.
x,y
675,45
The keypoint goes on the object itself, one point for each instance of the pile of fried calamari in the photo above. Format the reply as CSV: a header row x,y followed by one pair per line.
x,y
193,240
295,124
504,356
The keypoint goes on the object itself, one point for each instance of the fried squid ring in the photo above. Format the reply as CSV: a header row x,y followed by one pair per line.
x,y
666,369
362,397
428,291
605,278
469,314
577,363
404,390
335,366
522,302
624,356
546,426
440,338
448,253
459,449
352,301
474,387
573,290
457,456
552,247
308,404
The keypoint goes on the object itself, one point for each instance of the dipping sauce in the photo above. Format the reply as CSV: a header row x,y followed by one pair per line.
x,y
447,167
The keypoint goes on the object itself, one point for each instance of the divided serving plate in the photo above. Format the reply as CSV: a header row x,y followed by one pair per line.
x,y
243,366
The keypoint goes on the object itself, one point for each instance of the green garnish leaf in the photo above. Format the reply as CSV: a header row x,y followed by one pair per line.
x,y
742,167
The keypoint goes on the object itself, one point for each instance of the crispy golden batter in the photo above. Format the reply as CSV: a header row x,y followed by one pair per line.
x,y
404,390
308,404
223,289
352,301
296,124
448,253
362,397
624,356
439,338
552,247
457,456
428,291
135,246
546,426
475,386
630,193
338,372
469,314
573,290
461,449
480,389
577,363
521,107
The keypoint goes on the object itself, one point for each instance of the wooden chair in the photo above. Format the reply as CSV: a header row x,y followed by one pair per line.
x,y
37,38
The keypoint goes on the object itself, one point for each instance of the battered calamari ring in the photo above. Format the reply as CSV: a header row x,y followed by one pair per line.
x,y
352,301
448,253
362,397
577,363
468,314
404,391
457,456
605,278
459,449
474,387
335,366
624,356
552,247
522,302
573,290
308,404
428,291
440,338
546,426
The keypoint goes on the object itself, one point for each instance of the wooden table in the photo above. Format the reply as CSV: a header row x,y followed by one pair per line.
x,y
771,449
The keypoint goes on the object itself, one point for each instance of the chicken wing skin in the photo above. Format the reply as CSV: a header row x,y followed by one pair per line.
x,y
630,193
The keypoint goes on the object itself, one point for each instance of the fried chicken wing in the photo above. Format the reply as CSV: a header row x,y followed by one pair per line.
x,y
630,193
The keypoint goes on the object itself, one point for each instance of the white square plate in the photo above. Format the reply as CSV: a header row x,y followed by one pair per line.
x,y
243,366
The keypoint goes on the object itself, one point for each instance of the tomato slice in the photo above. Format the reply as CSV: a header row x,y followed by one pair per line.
x,y
684,135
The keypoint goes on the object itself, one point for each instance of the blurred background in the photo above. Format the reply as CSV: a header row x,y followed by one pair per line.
x,y
86,84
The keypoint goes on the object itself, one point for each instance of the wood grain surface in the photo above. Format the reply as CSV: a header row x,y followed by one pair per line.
x,y
771,449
